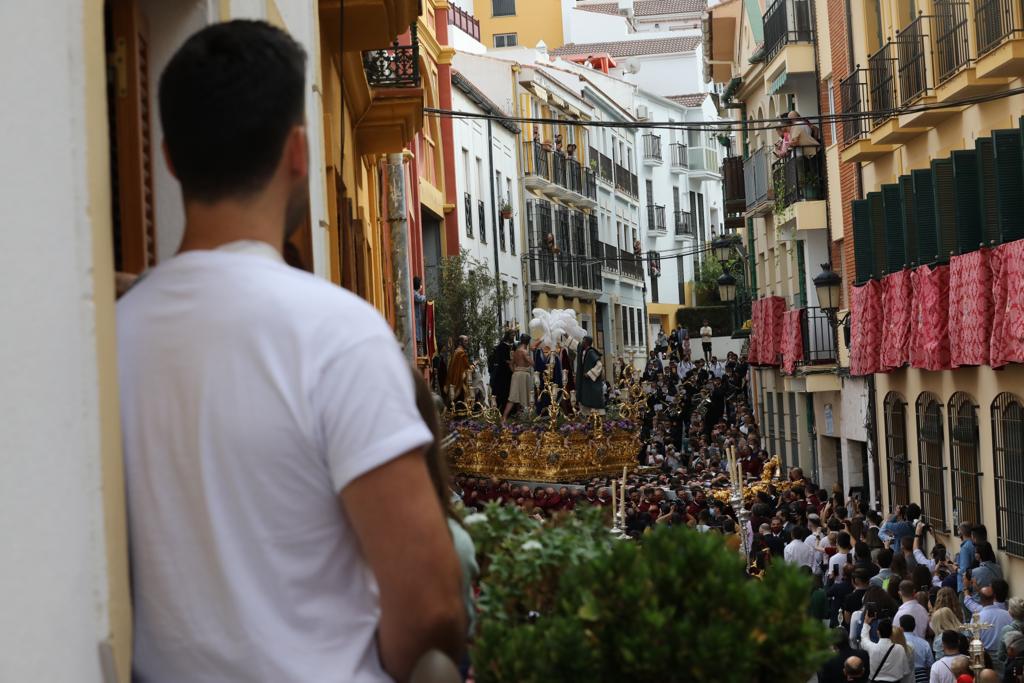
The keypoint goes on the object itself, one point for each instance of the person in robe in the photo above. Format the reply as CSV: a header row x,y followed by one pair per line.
x,y
589,380
501,371
568,380
458,367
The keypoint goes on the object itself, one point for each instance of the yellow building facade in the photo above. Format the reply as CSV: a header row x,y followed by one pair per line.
x,y
937,77
524,23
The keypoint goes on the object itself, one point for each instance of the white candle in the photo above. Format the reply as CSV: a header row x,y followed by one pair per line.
x,y
622,506
615,520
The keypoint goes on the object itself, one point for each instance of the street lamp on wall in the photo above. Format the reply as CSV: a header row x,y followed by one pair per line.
x,y
726,288
829,286
723,248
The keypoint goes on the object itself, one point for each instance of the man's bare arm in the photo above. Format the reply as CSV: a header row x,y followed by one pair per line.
x,y
411,554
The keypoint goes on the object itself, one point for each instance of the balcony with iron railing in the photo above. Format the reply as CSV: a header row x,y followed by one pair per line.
x,y
882,79
952,38
819,346
631,265
605,168
396,66
853,91
685,225
625,181
652,149
999,27
678,159
798,178
465,21
756,183
912,60
537,162
787,22
656,219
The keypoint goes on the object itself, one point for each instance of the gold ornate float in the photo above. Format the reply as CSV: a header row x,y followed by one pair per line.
x,y
556,447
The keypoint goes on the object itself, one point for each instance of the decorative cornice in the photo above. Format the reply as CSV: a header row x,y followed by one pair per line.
x,y
445,55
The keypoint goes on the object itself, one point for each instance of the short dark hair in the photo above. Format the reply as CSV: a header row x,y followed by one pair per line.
x,y
228,99
908,623
951,640
1000,590
985,552
885,628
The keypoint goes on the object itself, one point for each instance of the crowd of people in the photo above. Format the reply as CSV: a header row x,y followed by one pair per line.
x,y
901,604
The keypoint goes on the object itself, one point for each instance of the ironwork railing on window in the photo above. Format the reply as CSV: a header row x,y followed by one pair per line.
x,y
952,38
787,21
818,337
501,225
511,236
610,259
460,18
652,146
468,211
684,223
595,252
677,154
801,176
558,169
895,409
395,67
1008,455
631,265
589,184
995,21
482,215
538,227
932,471
965,459
882,66
625,181
605,167
912,60
854,93
537,160
573,176
656,218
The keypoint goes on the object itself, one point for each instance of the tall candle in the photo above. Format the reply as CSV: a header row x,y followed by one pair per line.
x,y
622,506
615,520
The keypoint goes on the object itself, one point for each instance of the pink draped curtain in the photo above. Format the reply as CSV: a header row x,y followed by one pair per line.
x,y
929,345
792,341
866,328
970,309
897,307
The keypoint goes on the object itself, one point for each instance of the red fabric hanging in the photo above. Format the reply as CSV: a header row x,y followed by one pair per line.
x,y
929,342
865,328
970,309
792,341
897,305
1007,266
775,309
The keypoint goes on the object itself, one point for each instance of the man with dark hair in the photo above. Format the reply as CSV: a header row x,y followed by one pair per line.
x,y
923,655
965,557
908,594
888,659
266,413
942,669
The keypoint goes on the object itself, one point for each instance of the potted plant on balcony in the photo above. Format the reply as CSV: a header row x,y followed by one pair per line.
x,y
593,165
506,210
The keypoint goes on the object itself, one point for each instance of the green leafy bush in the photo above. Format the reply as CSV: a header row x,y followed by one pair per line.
x,y
564,601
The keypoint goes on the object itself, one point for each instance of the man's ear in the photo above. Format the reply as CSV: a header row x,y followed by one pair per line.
x,y
167,159
297,153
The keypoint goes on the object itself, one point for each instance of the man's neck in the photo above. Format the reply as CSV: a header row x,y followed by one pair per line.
x,y
210,226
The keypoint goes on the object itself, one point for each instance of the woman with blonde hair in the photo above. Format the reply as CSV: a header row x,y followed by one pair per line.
x,y
943,619
898,637
947,597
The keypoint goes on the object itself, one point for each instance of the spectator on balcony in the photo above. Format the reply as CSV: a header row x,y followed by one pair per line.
x,y
781,148
804,138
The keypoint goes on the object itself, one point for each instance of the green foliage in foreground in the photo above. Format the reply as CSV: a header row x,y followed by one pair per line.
x,y
563,601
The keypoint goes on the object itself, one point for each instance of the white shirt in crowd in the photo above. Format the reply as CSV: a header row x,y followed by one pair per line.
x,y
798,553
705,334
251,395
920,614
812,542
942,670
684,367
837,564
717,369
885,668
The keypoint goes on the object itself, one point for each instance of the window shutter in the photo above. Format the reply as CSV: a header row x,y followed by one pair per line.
x,y
968,206
945,208
134,220
906,184
892,203
985,152
924,209
1009,183
863,255
877,221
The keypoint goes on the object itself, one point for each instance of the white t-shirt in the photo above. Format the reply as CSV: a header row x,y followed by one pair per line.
x,y
251,394
705,334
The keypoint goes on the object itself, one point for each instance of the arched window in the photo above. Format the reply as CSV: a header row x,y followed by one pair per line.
x,y
964,459
1008,455
929,455
896,449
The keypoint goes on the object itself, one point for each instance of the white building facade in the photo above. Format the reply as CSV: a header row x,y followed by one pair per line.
x,y
486,180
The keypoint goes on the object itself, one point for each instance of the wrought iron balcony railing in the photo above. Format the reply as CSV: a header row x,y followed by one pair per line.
x,y
755,177
677,153
625,181
396,66
854,93
912,60
952,38
684,224
802,178
589,184
537,160
995,21
882,68
652,147
461,19
818,337
787,21
656,218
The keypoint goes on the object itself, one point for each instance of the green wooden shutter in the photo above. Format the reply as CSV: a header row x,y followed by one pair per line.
x,y
924,209
945,208
1009,163
985,151
863,256
968,204
892,202
877,214
906,184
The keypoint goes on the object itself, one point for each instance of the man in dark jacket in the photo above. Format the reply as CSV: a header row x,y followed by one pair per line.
x,y
589,377
832,670
500,370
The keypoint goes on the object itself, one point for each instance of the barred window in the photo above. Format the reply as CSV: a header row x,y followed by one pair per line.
x,y
1008,455
929,454
896,450
964,459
